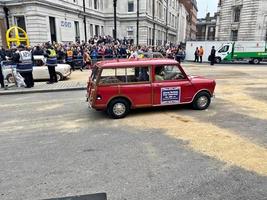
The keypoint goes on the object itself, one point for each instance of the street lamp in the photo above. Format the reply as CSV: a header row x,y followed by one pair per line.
x,y
154,25
84,22
115,19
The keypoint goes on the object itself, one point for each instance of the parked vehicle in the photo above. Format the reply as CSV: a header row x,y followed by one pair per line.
x,y
40,70
153,55
252,51
120,85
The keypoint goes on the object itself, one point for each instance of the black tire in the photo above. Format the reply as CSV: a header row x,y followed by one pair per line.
x,y
201,101
123,108
218,60
10,78
256,61
59,76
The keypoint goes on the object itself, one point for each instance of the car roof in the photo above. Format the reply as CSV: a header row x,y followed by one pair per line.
x,y
153,53
135,62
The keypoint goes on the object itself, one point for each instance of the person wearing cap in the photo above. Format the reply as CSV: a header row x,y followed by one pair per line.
x,y
24,60
51,62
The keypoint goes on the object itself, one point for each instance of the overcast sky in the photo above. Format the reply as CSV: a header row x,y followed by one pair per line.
x,y
205,6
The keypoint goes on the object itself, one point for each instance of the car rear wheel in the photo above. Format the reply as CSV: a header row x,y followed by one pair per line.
x,y
118,108
202,101
59,76
256,61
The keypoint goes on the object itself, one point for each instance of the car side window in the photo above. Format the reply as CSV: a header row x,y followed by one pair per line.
x,y
168,73
138,74
108,76
224,49
125,75
38,63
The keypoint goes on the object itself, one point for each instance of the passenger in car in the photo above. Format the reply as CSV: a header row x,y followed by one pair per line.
x,y
143,76
158,74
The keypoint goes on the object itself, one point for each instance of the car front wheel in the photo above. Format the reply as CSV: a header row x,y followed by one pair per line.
x,y
10,78
218,60
59,76
118,108
202,101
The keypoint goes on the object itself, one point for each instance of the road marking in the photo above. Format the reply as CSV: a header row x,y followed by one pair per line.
x,y
208,139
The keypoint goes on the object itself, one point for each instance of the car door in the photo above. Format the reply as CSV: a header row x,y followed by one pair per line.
x,y
173,87
40,71
137,86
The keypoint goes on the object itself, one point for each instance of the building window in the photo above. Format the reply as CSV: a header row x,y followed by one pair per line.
x,y
91,30
102,30
77,31
101,5
130,6
234,35
20,22
96,4
159,10
130,32
237,11
96,30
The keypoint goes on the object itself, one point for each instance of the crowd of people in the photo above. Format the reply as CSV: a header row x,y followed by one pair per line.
x,y
199,53
83,54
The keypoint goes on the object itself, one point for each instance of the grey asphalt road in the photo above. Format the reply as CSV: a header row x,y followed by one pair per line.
x,y
52,145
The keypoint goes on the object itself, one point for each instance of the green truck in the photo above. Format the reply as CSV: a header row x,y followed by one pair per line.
x,y
252,51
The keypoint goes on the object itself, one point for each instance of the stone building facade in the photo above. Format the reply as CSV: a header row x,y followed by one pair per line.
x,y
206,28
63,20
242,20
191,8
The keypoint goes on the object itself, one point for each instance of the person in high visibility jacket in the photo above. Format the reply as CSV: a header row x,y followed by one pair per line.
x,y
51,62
24,60
69,58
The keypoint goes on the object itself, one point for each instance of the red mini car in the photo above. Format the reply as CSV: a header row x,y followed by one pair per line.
x,y
120,85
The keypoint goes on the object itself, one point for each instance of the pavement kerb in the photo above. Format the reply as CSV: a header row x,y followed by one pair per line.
x,y
7,92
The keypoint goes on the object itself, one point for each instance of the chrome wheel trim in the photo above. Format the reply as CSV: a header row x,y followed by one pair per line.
x,y
58,77
202,101
119,109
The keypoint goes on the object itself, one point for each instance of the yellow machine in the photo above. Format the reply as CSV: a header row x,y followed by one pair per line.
x,y
16,35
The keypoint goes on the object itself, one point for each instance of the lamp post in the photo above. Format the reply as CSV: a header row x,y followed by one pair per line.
x,y
115,19
137,23
154,25
84,22
167,12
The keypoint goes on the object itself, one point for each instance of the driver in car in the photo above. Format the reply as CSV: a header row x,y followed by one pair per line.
x,y
159,76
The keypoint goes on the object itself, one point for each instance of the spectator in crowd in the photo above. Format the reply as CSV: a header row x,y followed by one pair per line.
x,y
69,57
196,55
201,53
179,55
60,55
212,56
37,51
87,59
